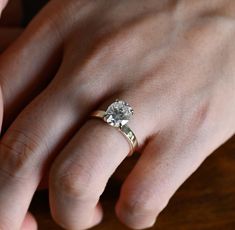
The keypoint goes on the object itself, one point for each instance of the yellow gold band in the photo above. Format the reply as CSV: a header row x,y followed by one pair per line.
x,y
125,130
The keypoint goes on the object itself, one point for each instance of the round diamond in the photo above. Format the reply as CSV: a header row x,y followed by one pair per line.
x,y
118,113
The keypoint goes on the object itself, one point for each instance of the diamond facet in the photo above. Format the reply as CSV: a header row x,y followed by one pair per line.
x,y
118,113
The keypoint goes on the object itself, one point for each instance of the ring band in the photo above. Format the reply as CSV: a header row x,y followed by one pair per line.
x,y
117,115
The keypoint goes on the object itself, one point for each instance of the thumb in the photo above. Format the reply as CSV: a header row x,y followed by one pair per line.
x,y
2,5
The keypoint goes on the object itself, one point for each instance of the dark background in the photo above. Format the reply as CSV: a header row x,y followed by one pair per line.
x,y
30,8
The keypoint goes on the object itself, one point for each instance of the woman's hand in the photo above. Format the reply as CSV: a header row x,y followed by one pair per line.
x,y
172,61
9,31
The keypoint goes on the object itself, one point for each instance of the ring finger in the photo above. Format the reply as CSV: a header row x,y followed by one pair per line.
x,y
80,173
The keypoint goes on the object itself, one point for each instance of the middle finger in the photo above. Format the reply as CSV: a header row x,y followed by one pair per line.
x,y
30,144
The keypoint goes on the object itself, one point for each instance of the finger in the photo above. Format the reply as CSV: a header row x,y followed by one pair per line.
x,y
80,173
34,139
37,135
30,144
29,223
163,166
29,64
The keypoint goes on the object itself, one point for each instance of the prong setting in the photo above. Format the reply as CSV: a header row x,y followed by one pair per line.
x,y
118,114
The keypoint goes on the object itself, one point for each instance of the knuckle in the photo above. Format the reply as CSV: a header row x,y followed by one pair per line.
x,y
78,184
121,44
200,31
17,154
108,48
143,203
200,116
72,186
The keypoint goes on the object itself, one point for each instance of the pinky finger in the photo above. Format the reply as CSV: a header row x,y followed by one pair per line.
x,y
159,172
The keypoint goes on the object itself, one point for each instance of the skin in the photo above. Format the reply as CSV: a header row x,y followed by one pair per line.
x,y
8,33
172,61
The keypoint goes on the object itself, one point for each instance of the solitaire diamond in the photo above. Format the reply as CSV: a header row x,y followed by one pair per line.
x,y
118,113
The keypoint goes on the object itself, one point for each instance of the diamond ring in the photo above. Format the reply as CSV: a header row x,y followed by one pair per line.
x,y
117,115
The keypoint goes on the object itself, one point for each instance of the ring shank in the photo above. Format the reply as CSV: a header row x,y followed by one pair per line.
x,y
125,130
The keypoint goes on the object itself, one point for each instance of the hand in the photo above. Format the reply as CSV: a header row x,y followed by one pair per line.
x,y
8,33
172,62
